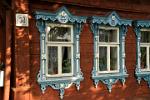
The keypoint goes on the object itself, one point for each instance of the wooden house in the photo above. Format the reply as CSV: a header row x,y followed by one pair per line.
x,y
75,49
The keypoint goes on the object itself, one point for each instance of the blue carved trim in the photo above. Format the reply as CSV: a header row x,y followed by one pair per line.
x,y
142,23
109,79
62,16
112,20
138,25
143,75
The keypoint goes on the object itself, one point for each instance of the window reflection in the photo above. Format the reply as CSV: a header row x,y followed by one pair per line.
x,y
145,36
59,34
102,58
113,58
52,60
66,59
143,58
106,35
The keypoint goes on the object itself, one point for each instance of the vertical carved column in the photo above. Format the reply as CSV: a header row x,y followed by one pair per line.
x,y
138,53
123,34
77,42
43,56
41,27
77,53
94,28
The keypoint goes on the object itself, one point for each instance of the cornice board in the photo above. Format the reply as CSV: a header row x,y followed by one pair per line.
x,y
121,6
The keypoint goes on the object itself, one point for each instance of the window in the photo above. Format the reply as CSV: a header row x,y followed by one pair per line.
x,y
142,30
59,44
109,49
145,50
60,49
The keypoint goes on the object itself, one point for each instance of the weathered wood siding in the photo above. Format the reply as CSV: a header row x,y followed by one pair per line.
x,y
131,90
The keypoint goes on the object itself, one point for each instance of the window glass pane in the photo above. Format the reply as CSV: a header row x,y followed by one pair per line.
x,y
113,58
108,35
145,36
66,59
143,58
113,36
102,58
59,34
52,60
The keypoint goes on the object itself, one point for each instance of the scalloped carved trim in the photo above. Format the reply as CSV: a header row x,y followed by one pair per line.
x,y
143,75
62,15
142,23
112,19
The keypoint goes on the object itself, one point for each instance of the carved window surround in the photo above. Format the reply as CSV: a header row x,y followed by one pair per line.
x,y
112,20
62,16
140,73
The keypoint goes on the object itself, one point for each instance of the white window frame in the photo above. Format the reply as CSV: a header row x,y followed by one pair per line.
x,y
108,45
59,46
147,46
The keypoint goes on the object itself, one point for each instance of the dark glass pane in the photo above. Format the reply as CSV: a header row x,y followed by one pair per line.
x,y
103,35
52,60
113,36
59,34
102,58
143,58
108,35
66,59
145,36
113,58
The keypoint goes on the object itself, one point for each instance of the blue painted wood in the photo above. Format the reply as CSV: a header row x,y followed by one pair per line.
x,y
138,25
111,20
61,16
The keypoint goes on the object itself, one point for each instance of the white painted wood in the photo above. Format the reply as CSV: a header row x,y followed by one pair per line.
x,y
1,78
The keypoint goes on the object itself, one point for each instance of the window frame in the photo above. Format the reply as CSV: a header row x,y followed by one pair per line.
x,y
59,45
140,25
111,20
62,17
147,46
108,45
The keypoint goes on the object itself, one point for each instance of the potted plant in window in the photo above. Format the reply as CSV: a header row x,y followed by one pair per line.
x,y
1,74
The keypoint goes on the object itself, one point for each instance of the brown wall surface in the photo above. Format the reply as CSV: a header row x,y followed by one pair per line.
x,y
131,90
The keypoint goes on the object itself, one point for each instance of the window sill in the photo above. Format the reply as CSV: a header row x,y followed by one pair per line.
x,y
61,79
59,83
